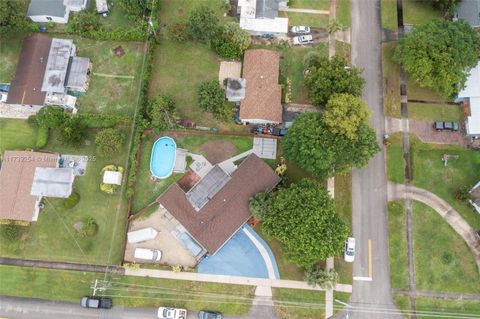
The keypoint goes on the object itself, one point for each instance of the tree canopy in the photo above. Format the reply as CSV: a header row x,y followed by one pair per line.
x,y
109,141
439,55
202,24
231,41
136,7
303,218
446,6
161,111
326,77
85,21
311,144
51,116
72,131
12,15
211,98
344,113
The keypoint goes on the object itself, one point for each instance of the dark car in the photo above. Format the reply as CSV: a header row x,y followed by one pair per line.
x,y
96,302
205,314
445,126
279,131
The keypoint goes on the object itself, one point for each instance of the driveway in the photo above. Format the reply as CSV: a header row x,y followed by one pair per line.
x,y
425,131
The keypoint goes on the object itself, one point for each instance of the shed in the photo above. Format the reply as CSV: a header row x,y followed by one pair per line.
x,y
112,177
265,147
77,74
140,235
52,182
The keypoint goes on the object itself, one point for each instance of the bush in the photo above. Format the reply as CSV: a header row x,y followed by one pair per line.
x,y
42,137
32,120
72,131
211,98
231,41
10,232
259,205
324,278
202,24
109,141
85,21
51,116
161,111
89,227
463,193
72,200
177,32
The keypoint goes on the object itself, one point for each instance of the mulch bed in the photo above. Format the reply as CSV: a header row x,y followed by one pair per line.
x,y
218,151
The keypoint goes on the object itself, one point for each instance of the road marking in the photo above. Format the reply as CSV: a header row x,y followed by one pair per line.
x,y
362,278
370,258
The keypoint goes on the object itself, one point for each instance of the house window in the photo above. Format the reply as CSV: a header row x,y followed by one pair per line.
x,y
49,18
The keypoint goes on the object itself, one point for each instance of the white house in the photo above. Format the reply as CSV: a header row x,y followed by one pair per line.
x,y
261,16
56,11
470,95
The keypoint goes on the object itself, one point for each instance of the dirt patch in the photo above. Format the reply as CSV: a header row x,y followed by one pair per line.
x,y
181,12
218,151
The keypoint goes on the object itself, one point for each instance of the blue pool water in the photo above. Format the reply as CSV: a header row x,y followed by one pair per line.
x,y
163,156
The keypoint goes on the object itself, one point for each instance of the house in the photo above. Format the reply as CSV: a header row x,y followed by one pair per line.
x,y
469,10
214,209
26,177
475,197
470,96
260,17
262,103
47,70
57,11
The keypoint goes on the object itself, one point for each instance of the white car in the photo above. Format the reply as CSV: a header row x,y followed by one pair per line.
x,y
303,39
172,313
349,254
148,254
300,29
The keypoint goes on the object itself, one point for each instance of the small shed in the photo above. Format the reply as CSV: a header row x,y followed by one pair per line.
x,y
265,147
140,235
77,74
112,177
235,91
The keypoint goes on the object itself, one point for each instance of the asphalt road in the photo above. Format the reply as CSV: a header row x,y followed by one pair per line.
x,y
369,185
23,308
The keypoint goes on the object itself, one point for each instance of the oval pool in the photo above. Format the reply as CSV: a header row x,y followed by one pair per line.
x,y
163,156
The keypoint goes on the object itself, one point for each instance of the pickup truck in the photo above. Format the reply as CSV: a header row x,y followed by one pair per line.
x,y
172,313
96,302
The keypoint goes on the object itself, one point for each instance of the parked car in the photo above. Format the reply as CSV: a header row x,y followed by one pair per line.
x,y
172,313
303,39
349,253
205,314
148,254
279,131
300,29
96,302
445,126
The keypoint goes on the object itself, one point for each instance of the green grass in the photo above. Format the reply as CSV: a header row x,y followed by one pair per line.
x,y
149,292
343,13
309,4
343,49
299,296
430,173
193,142
416,92
433,240
308,19
108,94
117,17
16,135
53,237
391,81
435,112
389,14
419,12
445,306
9,54
173,11
397,240
341,296
403,303
395,160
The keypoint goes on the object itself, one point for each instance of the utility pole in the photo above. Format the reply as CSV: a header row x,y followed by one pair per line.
x,y
95,287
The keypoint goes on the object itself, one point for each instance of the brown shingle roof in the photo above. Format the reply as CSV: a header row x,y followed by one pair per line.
x,y
16,178
218,220
263,93
26,86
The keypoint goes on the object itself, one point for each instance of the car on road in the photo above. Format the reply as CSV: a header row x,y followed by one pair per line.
x,y
171,313
445,126
303,39
205,314
96,302
349,253
300,29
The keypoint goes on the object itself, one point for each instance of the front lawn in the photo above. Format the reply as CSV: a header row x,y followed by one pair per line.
x,y
391,81
403,304
397,243
16,135
389,14
443,261
395,159
9,55
340,296
429,172
416,92
419,12
128,291
343,204
309,4
308,19
309,303
447,307
435,112
343,13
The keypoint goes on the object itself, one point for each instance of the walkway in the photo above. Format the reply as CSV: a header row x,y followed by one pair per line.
x,y
305,11
59,265
263,251
451,216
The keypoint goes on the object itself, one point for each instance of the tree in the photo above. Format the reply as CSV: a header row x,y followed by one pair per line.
x,y
72,131
211,98
51,116
231,41
85,21
202,24
344,113
12,15
311,144
326,77
445,6
136,7
161,111
439,55
304,220
109,141
259,204
324,278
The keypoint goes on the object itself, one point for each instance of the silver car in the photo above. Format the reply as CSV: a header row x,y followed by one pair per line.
x,y
303,39
300,29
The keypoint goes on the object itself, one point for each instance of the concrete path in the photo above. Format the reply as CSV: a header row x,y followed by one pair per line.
x,y
234,280
451,216
229,164
263,252
394,125
438,295
60,265
311,11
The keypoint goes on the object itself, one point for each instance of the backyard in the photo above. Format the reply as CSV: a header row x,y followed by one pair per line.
x,y
16,135
9,55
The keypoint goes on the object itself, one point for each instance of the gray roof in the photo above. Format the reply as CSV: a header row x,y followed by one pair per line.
x,y
207,187
77,72
267,9
53,8
60,52
52,182
469,10
235,89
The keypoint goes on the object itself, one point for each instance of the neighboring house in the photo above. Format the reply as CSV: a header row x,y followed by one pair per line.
x,y
261,16
470,96
57,11
469,10
218,205
475,197
48,69
25,177
263,102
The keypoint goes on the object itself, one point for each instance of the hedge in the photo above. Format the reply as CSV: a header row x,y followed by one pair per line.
x,y
42,137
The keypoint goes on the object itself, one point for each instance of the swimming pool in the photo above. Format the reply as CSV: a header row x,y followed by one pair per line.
x,y
163,156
